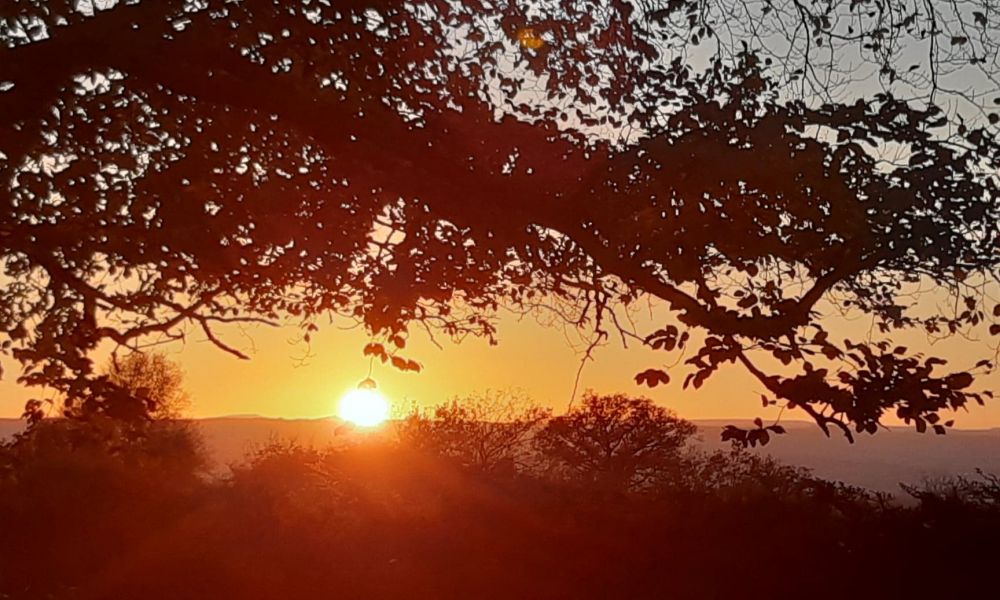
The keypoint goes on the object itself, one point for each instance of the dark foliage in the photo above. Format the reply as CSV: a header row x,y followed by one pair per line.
x,y
77,497
488,432
615,442
90,512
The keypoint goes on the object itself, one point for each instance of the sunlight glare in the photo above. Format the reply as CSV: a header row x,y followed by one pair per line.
x,y
364,407
529,39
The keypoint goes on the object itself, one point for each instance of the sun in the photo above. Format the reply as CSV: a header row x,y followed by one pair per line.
x,y
364,407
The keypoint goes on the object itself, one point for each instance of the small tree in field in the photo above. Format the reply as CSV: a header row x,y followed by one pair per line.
x,y
134,389
144,434
153,378
485,432
616,441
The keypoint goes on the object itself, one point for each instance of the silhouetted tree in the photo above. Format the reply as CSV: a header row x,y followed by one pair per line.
x,y
486,432
425,162
152,377
145,396
152,432
616,441
132,389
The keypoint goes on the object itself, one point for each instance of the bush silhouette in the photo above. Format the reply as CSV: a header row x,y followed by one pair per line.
x,y
88,513
579,156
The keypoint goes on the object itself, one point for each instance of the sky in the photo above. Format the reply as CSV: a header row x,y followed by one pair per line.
x,y
535,359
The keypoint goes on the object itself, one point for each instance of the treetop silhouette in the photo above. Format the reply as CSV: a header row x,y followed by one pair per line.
x,y
169,164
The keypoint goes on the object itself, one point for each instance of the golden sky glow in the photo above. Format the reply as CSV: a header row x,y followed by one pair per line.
x,y
536,359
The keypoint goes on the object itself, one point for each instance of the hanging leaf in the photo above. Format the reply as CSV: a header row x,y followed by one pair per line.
x,y
652,377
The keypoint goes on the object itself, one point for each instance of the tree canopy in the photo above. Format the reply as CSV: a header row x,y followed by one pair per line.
x,y
487,431
616,442
173,164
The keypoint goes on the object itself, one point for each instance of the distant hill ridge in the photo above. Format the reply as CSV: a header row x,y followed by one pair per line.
x,y
878,462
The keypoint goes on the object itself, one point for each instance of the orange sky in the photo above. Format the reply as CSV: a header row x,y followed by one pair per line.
x,y
535,358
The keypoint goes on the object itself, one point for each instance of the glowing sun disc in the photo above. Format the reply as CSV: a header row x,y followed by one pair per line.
x,y
364,408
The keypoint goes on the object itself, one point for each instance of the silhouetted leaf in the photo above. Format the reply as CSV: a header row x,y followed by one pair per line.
x,y
652,377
